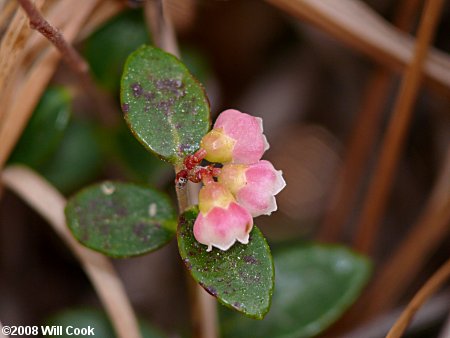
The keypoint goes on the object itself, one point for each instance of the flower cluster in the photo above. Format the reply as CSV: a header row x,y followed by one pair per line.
x,y
245,186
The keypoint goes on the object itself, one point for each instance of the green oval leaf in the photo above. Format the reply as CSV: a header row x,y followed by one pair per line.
x,y
139,164
77,160
164,105
85,318
45,128
240,278
109,46
315,285
121,219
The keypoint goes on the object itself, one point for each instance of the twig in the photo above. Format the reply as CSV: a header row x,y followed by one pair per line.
x,y
377,195
27,86
50,204
205,321
356,24
102,11
362,141
203,306
418,246
103,105
70,55
430,287
32,83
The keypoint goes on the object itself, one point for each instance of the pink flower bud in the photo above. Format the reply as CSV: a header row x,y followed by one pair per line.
x,y
254,186
236,137
221,221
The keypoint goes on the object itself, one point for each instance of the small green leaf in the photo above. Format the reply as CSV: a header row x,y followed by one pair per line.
x,y
240,278
77,160
196,62
315,284
108,47
139,164
120,219
45,128
164,105
85,318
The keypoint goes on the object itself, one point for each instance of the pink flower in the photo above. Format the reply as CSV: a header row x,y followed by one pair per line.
x,y
254,186
236,138
221,221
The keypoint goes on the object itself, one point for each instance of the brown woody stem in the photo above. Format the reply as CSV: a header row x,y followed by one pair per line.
x,y
70,55
103,105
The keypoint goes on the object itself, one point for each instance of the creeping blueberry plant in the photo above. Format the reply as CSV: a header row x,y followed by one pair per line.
x,y
168,112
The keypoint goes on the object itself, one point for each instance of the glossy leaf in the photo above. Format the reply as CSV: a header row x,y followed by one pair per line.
x,y
240,278
315,284
77,160
120,219
108,47
164,105
139,164
45,128
84,318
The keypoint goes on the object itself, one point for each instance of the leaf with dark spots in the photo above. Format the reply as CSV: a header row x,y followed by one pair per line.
x,y
149,96
136,89
315,285
121,220
211,290
187,263
237,305
167,109
250,260
241,278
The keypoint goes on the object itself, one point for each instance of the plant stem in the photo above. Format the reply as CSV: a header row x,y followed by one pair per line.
x,y
203,305
70,55
103,105
430,287
50,204
22,87
377,196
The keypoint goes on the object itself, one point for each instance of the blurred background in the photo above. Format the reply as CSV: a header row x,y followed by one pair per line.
x,y
326,105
